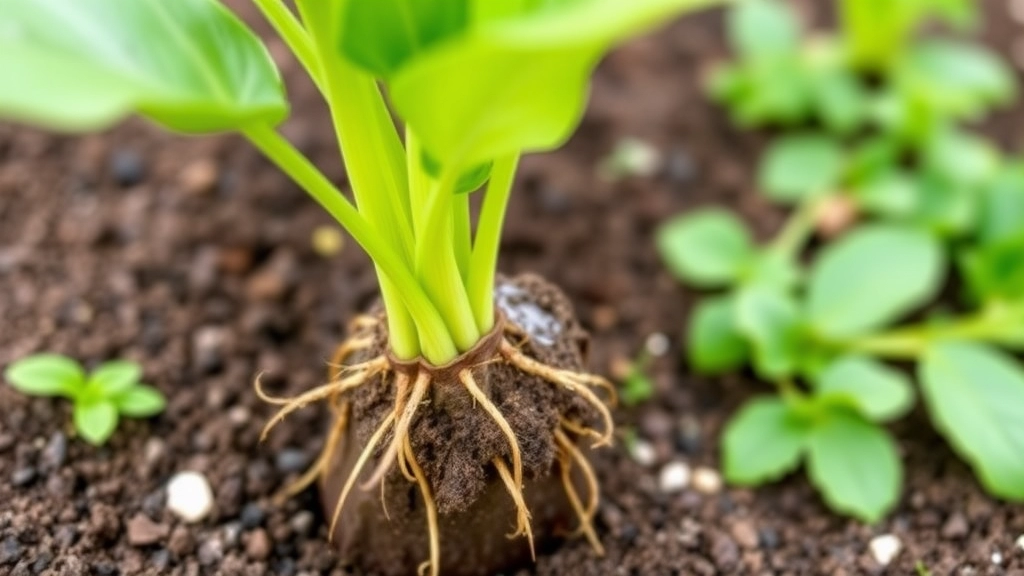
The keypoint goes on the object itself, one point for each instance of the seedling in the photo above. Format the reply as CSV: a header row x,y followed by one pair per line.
x,y
111,391
475,85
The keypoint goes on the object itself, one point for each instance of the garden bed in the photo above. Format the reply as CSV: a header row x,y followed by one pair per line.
x,y
194,258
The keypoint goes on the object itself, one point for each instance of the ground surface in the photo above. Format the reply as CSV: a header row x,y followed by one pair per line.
x,y
194,257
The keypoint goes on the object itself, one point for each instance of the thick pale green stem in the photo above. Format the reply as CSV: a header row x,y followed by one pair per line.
x,y
294,35
484,259
463,234
394,269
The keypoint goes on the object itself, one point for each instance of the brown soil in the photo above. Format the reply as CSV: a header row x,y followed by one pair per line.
x,y
456,441
194,257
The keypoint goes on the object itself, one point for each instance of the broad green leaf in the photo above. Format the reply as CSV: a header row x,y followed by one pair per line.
x,y
190,65
771,321
996,270
46,375
713,342
945,207
955,78
141,402
855,466
95,421
895,194
516,84
382,35
1002,206
763,28
799,166
113,378
976,397
871,277
762,442
840,99
768,101
707,248
772,269
876,391
961,157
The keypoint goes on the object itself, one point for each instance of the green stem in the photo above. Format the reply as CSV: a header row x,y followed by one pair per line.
x,y
395,270
484,258
797,230
463,233
294,35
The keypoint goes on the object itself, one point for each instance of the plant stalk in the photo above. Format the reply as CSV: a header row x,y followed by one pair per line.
x,y
484,258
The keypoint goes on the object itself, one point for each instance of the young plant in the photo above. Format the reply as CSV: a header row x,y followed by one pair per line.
x,y
824,333
111,391
475,83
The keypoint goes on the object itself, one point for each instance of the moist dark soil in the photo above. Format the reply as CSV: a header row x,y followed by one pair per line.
x,y
194,257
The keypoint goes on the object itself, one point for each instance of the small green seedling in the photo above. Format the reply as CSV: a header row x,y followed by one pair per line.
x,y
637,387
111,391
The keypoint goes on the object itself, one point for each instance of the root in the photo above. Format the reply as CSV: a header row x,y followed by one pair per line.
x,y
363,457
567,453
572,381
434,564
401,432
517,459
358,375
522,513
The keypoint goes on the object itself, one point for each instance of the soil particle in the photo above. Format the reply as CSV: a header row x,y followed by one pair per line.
x,y
956,527
724,551
23,477
252,516
10,550
142,531
744,532
258,547
56,451
104,522
127,167
674,477
181,542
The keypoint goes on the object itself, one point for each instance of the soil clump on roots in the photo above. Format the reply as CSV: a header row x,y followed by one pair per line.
x,y
463,468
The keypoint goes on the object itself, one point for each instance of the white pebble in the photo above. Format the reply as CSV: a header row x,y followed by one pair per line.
x,y
707,480
1020,542
997,558
189,496
657,344
884,548
674,477
643,453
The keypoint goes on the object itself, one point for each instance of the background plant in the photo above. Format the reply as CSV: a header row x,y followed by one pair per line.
x,y
111,391
922,283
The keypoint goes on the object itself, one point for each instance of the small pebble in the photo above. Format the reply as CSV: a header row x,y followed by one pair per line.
x,y
744,532
327,241
291,460
997,558
631,157
252,516
1020,542
302,522
199,177
154,451
142,531
10,550
127,167
189,496
23,477
657,344
211,550
56,451
258,548
707,480
956,527
884,548
674,477
643,453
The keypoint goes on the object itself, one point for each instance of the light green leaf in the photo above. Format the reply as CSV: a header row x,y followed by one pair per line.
x,y
961,157
955,78
855,466
772,269
976,397
96,421
945,207
995,270
113,378
876,391
895,194
46,375
771,321
762,442
516,84
707,248
141,402
840,99
800,166
872,276
714,343
382,35
190,65
1002,206
763,28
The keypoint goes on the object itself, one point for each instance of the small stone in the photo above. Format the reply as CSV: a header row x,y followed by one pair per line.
x,y
604,317
252,516
42,561
291,460
997,558
154,451
199,177
631,157
885,548
238,415
211,550
327,241
127,167
643,453
1020,542
232,532
10,551
745,533
104,521
258,548
181,542
23,477
707,480
208,346
768,538
674,477
56,451
681,168
956,527
302,522
160,560
688,438
142,531
657,344
725,552
189,496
